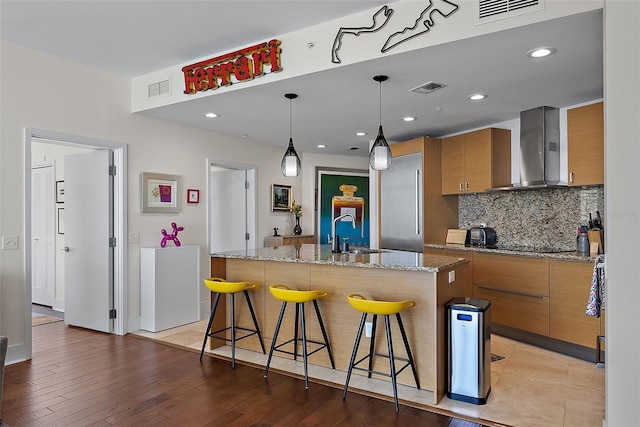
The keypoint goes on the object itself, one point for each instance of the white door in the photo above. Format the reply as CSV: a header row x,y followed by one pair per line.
x,y
231,209
88,231
43,235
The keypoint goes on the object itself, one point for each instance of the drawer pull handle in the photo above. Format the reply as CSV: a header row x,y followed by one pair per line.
x,y
509,291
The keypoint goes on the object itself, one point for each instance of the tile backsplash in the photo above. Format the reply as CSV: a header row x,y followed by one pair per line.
x,y
535,218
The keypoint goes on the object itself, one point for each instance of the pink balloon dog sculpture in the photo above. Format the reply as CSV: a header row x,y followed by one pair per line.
x,y
173,236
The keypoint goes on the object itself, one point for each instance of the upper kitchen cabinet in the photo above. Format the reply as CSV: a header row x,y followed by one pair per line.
x,y
585,145
475,161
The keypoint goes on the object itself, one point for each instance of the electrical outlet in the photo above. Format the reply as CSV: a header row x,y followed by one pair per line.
x,y
9,243
452,276
367,329
134,237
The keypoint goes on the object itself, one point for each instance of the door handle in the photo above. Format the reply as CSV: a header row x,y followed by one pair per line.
x,y
66,249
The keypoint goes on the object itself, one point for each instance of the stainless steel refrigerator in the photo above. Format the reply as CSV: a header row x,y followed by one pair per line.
x,y
401,204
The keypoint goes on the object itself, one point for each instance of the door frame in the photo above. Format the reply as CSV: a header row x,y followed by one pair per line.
x,y
251,176
119,221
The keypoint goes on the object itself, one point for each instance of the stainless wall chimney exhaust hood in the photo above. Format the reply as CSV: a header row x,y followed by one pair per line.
x,y
539,150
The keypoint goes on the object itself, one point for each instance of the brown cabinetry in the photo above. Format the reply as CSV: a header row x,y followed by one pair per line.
x,y
475,161
585,145
569,284
273,241
518,288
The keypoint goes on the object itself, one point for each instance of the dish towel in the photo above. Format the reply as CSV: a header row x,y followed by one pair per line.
x,y
597,293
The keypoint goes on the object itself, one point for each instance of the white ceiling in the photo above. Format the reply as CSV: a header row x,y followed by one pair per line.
x,y
135,37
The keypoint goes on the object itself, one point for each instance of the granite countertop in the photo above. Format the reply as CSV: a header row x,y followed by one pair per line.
x,y
321,254
554,253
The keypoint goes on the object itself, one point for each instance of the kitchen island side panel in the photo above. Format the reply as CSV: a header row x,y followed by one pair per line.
x,y
424,323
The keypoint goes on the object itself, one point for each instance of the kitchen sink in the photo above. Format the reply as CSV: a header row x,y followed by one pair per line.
x,y
357,250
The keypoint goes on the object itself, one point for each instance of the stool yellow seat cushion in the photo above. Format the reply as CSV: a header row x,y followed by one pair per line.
x,y
285,293
215,284
382,308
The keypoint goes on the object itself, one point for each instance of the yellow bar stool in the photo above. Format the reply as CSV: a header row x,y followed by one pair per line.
x,y
221,286
286,295
382,308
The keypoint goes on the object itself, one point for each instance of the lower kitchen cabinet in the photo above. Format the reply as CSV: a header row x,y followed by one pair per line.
x,y
518,288
570,283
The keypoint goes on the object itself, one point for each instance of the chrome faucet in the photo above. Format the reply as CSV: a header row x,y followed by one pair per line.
x,y
335,244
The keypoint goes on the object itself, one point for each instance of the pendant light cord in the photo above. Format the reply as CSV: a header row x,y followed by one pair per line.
x,y
290,127
380,103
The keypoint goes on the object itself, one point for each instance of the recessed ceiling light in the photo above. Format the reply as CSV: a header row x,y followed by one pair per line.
x,y
408,119
321,146
361,133
541,52
477,96
212,115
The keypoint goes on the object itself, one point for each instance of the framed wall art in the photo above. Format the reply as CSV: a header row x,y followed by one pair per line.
x,y
160,193
193,196
60,220
59,191
280,198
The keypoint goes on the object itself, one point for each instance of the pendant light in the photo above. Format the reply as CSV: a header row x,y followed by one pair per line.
x,y
290,162
380,154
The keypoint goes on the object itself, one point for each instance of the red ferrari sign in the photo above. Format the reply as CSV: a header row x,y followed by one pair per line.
x,y
234,67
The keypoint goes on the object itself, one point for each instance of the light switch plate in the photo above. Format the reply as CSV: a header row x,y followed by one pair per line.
x,y
134,237
9,243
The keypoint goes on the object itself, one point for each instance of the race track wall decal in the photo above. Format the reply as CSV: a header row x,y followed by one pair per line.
x,y
421,25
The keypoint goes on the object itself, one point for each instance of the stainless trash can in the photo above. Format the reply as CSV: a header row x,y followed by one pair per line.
x,y
469,350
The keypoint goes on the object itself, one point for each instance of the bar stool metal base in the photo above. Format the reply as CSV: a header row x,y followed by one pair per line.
x,y
393,372
233,328
305,353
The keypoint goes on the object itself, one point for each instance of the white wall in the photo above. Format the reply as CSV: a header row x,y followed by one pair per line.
x,y
73,99
622,206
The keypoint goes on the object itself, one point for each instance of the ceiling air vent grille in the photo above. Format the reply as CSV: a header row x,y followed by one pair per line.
x,y
159,88
428,87
496,9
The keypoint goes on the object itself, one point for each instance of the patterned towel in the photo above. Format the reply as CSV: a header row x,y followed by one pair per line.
x,y
597,293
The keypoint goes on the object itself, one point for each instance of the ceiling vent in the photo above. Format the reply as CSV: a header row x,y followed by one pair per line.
x,y
428,87
159,88
491,10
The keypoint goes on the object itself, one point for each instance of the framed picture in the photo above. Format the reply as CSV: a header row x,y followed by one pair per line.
x,y
160,193
59,191
193,196
280,198
60,220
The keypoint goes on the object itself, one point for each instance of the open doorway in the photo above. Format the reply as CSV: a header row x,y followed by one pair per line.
x,y
231,206
45,141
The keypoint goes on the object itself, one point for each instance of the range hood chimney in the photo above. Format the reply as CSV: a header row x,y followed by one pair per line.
x,y
539,150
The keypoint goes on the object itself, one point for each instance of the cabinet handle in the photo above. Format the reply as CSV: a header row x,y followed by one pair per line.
x,y
571,177
418,201
509,291
460,186
466,186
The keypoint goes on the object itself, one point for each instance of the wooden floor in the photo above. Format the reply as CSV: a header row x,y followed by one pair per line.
x,y
83,378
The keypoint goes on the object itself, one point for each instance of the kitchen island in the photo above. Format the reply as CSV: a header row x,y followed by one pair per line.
x,y
429,280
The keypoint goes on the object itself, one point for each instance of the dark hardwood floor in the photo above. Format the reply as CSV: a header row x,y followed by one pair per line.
x,y
84,378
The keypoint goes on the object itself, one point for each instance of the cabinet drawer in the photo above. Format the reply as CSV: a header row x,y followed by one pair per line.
x,y
526,275
570,283
525,312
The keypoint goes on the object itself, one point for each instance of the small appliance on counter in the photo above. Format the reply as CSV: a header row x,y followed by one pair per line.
x,y
482,236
